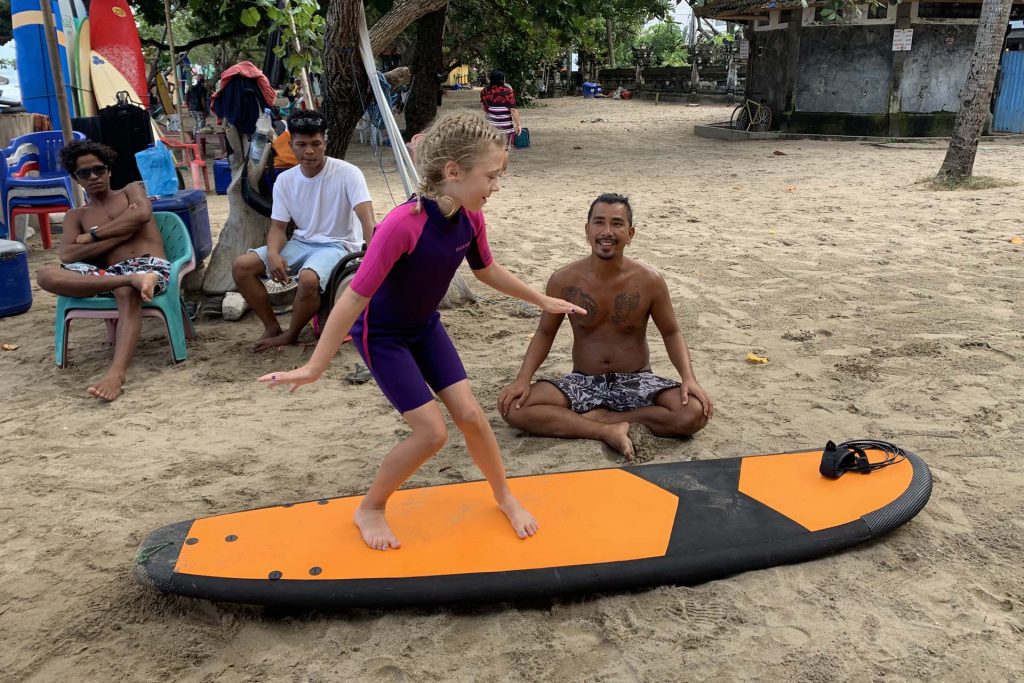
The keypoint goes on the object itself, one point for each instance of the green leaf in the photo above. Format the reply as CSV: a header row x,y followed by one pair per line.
x,y
250,17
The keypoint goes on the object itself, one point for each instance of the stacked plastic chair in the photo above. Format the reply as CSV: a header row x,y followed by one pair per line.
x,y
169,306
32,180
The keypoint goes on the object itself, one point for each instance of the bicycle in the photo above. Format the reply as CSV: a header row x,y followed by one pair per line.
x,y
751,116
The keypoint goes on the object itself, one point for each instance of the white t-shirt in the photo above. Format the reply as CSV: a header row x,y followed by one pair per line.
x,y
322,206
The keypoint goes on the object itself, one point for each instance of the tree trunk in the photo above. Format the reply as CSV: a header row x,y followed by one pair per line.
x,y
426,64
611,42
976,95
243,230
346,91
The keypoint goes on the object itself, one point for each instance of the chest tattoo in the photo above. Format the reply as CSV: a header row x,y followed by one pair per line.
x,y
579,297
625,304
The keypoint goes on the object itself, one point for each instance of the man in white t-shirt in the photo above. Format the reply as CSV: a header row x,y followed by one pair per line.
x,y
330,205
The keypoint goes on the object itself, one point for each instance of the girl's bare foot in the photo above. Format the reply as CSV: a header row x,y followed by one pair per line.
x,y
523,523
375,530
146,284
108,388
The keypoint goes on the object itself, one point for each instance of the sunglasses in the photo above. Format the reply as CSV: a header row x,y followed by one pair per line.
x,y
85,173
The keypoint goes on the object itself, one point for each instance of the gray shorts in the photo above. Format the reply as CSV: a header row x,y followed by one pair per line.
x,y
320,257
618,391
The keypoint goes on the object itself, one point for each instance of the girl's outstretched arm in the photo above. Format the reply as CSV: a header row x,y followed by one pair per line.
x,y
342,317
496,276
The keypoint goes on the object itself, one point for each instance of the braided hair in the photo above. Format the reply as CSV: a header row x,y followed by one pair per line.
x,y
460,138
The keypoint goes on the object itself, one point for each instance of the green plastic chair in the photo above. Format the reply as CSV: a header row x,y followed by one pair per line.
x,y
168,306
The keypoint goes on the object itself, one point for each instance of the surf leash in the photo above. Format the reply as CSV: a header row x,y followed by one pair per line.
x,y
851,456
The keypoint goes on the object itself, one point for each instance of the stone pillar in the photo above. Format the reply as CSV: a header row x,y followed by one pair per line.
x,y
793,63
899,59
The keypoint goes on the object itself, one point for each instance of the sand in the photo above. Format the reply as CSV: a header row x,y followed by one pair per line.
x,y
886,310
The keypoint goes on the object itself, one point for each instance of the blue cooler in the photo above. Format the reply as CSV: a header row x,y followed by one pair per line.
x,y
15,283
590,89
221,175
190,205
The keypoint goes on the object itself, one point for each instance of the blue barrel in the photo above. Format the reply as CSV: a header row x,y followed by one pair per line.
x,y
190,206
221,175
15,283
38,94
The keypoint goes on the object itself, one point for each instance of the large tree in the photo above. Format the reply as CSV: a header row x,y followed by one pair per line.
x,y
427,65
346,88
976,95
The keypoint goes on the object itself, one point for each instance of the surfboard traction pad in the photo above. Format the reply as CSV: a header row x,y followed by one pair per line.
x,y
717,531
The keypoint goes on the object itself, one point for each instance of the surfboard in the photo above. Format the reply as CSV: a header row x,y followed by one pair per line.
x,y
107,81
601,530
164,93
38,94
72,12
86,98
113,34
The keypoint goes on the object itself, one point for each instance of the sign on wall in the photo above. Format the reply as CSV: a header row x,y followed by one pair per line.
x,y
902,39
744,49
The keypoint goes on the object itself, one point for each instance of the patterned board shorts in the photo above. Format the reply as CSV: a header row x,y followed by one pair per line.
x,y
618,391
132,266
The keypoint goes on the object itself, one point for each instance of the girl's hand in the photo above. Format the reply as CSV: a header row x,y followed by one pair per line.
x,y
297,377
550,304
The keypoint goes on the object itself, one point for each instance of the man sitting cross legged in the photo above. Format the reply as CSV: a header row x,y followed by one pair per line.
x,y
611,385
111,247
324,197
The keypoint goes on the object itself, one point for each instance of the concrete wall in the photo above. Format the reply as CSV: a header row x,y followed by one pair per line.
x,y
936,68
845,69
769,57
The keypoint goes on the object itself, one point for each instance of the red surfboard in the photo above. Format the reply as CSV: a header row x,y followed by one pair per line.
x,y
113,34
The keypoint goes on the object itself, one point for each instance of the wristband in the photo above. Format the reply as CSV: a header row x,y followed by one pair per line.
x,y
92,231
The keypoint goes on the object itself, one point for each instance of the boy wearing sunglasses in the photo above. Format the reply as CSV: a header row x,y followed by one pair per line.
x,y
110,247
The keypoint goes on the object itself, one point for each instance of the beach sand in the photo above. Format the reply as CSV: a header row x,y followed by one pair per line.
x,y
886,310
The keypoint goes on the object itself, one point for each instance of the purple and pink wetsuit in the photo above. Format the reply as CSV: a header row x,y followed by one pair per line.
x,y
405,274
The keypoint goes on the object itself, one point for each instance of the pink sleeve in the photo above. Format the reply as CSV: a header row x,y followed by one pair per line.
x,y
479,254
396,235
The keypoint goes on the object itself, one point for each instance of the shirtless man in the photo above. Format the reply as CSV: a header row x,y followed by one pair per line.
x,y
110,247
611,385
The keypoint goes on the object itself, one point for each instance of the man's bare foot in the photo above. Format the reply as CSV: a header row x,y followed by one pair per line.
x,y
283,339
146,284
617,437
108,388
644,442
375,530
523,523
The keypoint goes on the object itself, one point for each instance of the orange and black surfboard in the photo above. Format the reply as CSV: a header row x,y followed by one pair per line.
x,y
601,530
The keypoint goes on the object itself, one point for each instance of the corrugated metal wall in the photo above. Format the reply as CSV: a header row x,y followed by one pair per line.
x,y
1009,115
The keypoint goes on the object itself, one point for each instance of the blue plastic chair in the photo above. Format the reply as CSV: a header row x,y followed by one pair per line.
x,y
37,153
51,182
168,306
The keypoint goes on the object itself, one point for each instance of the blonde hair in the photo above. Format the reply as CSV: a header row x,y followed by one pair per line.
x,y
460,138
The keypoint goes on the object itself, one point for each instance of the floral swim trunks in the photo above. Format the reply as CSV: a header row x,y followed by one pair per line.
x,y
618,391
132,266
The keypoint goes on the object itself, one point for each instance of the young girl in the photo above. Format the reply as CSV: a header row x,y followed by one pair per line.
x,y
391,310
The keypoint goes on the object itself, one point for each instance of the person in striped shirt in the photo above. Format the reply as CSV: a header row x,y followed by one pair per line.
x,y
499,103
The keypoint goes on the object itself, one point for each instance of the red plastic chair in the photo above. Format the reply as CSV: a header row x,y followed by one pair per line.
x,y
190,158
43,212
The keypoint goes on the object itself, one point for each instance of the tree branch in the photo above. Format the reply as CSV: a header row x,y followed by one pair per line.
x,y
401,15
206,40
454,56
